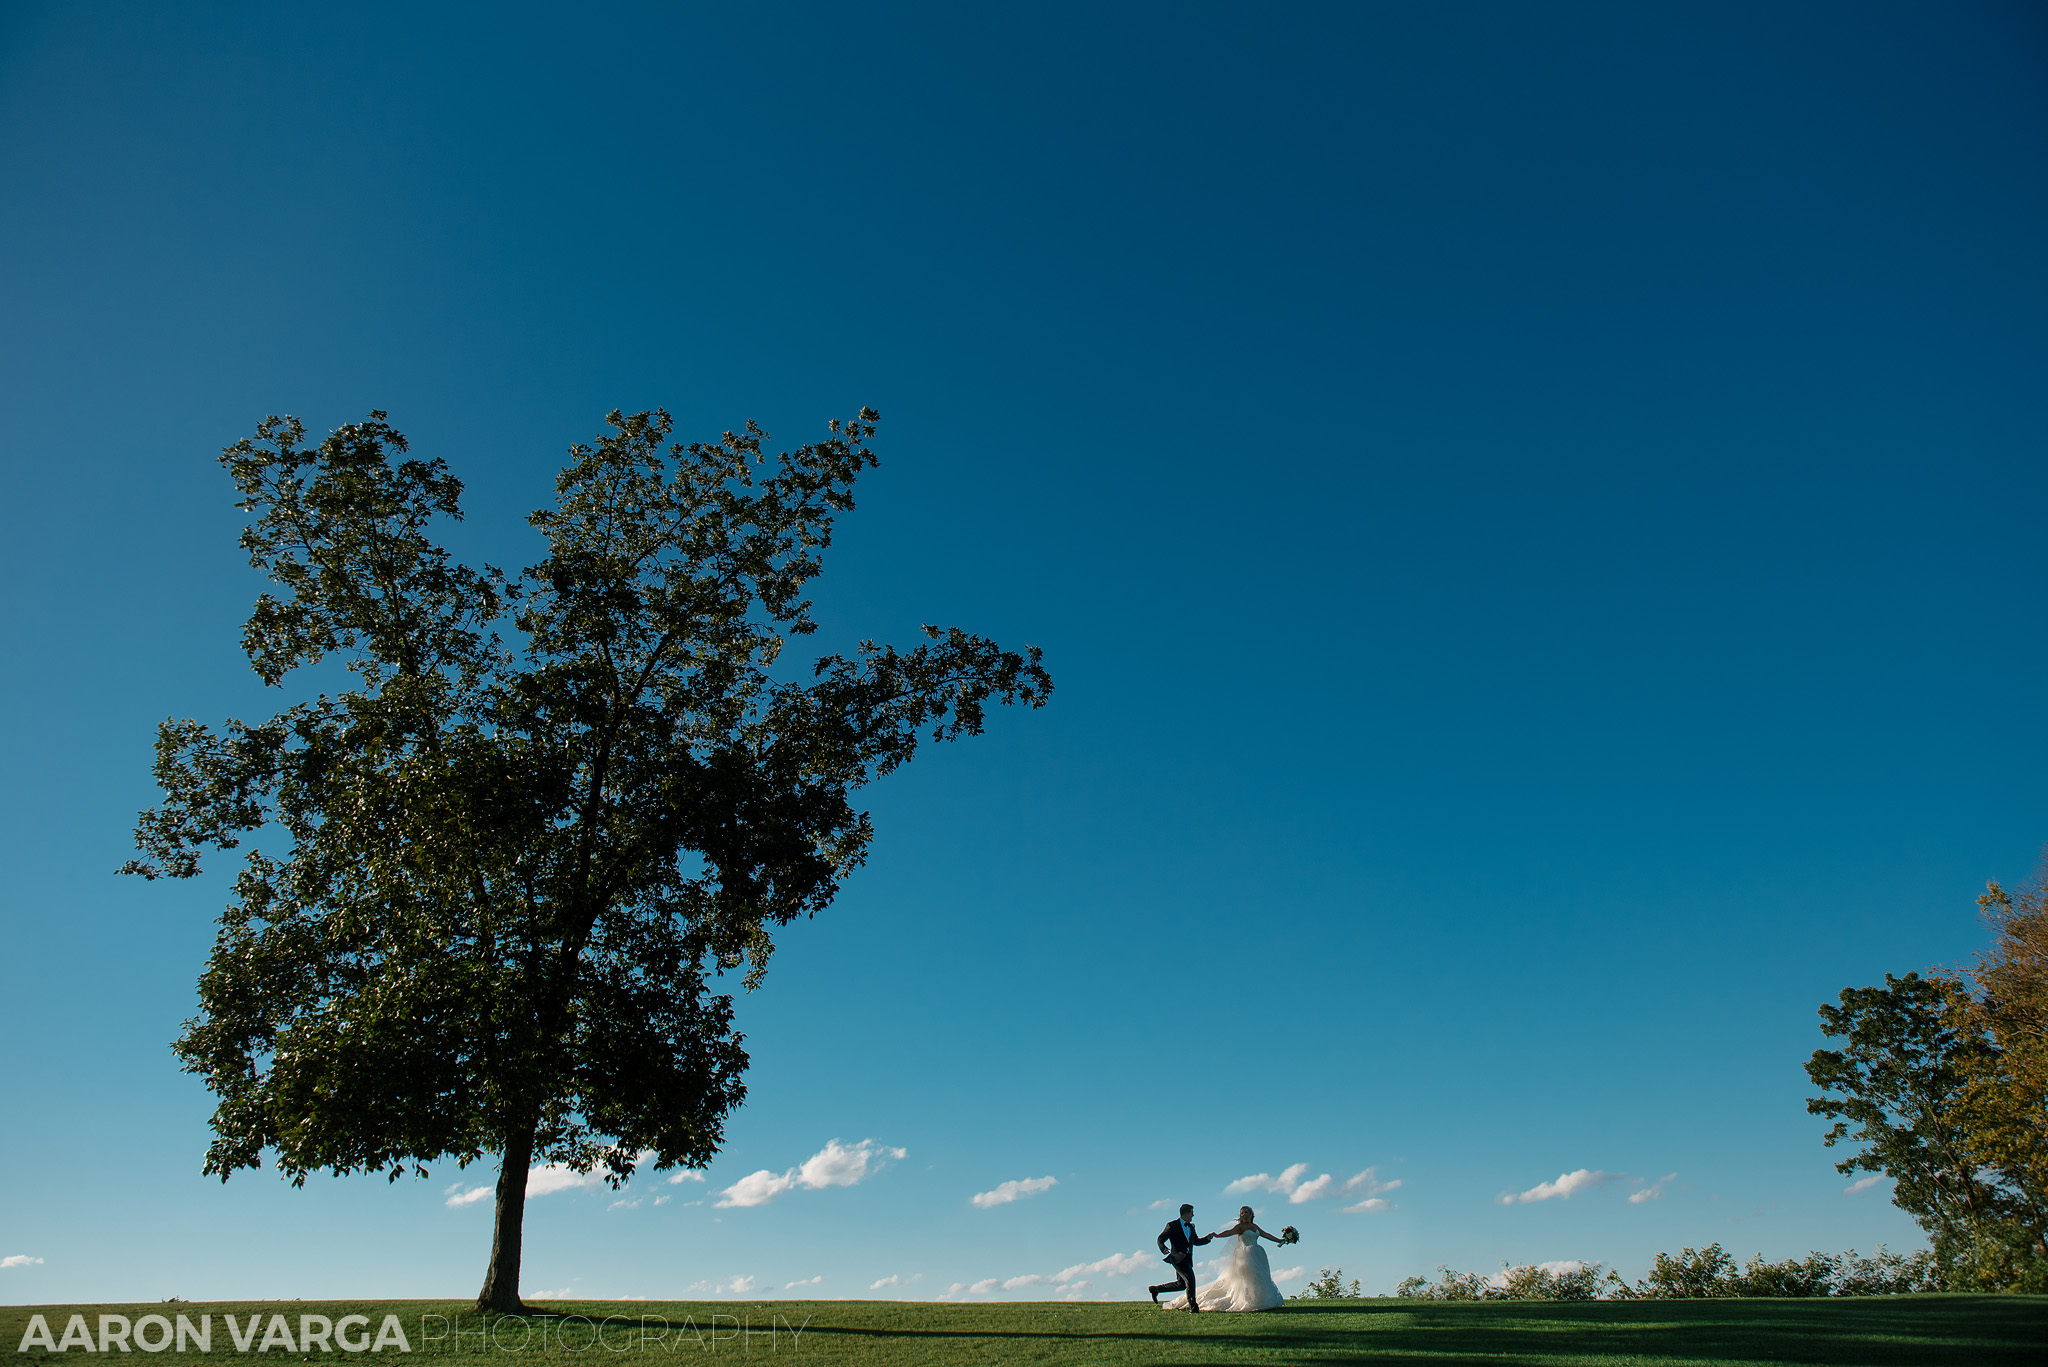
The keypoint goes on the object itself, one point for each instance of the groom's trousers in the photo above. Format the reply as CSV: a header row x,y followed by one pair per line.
x,y
1186,1268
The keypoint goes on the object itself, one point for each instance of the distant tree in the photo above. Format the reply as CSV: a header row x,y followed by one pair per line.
x,y
508,871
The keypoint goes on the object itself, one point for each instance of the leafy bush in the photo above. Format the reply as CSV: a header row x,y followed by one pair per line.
x,y
1693,1274
1574,1281
1885,1273
1328,1285
1813,1275
1449,1286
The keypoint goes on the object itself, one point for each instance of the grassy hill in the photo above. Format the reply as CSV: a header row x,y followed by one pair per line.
x,y
1918,1329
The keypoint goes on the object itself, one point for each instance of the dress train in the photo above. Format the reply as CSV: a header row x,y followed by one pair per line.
x,y
1245,1283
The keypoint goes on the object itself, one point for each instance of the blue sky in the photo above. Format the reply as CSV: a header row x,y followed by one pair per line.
x,y
1533,512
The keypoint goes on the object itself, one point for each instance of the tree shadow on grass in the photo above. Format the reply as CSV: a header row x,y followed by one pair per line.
x,y
1879,1331
1920,1330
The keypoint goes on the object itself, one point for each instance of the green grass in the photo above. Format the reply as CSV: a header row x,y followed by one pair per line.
x,y
1917,1329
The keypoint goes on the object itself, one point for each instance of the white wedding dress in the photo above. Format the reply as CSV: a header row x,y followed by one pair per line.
x,y
1246,1282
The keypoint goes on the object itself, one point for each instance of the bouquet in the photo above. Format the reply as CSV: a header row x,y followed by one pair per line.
x,y
1290,1235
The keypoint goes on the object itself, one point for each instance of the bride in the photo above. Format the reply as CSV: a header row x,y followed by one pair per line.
x,y
1246,1282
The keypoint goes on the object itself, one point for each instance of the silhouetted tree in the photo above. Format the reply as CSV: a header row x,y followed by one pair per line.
x,y
505,872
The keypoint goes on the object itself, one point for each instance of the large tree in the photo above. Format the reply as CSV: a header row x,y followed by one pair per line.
x,y
1894,1080
2003,1104
507,862
1923,1083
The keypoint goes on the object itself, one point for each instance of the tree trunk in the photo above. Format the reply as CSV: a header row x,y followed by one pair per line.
x,y
501,1283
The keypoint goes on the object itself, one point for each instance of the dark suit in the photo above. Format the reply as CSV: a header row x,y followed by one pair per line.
x,y
1178,1248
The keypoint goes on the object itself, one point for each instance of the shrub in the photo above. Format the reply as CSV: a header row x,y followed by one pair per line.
x,y
1449,1286
1885,1273
1813,1275
1329,1285
1693,1275
1573,1281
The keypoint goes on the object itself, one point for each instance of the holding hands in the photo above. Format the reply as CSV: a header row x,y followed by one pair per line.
x,y
1244,1280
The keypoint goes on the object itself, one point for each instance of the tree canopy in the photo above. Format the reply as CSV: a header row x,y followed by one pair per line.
x,y
2004,1100
1942,1078
508,863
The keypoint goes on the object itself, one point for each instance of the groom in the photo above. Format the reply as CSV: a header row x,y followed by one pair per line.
x,y
1177,1244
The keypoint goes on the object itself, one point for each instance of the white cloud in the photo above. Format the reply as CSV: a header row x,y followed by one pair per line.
x,y
1864,1185
554,1177
1653,1192
835,1165
564,1294
980,1288
895,1279
1115,1265
1161,1204
1290,1274
1006,1192
1069,1281
809,1281
1309,1191
738,1286
663,1200
629,1205
550,1178
1369,1183
1260,1181
757,1188
19,1260
1585,1179
1371,1205
1295,1184
1073,1293
686,1175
